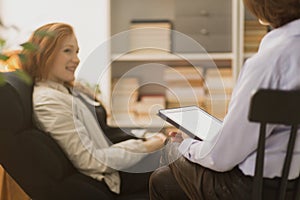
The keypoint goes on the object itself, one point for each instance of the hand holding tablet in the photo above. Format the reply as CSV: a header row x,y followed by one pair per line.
x,y
193,121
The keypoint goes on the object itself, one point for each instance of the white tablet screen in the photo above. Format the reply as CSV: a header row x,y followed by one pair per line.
x,y
193,121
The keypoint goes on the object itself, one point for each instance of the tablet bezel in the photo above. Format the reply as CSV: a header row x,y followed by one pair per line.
x,y
163,114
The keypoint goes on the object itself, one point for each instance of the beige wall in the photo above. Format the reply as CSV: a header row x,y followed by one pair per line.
x,y
89,18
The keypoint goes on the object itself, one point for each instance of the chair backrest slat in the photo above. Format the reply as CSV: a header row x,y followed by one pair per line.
x,y
287,162
274,107
259,165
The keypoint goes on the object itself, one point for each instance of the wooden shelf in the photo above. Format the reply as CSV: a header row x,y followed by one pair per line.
x,y
171,57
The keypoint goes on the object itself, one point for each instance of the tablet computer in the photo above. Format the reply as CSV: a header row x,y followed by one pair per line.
x,y
193,121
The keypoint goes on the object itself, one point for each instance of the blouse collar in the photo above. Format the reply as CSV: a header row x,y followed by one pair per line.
x,y
54,85
282,33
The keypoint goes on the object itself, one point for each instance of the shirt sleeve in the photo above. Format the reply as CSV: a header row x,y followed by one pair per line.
x,y
238,137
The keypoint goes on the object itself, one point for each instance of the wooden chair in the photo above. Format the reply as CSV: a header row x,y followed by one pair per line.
x,y
275,107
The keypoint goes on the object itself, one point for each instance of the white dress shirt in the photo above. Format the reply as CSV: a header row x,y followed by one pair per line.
x,y
276,66
68,121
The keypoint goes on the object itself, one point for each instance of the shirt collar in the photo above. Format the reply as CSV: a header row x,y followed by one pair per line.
x,y
292,28
289,29
54,85
275,36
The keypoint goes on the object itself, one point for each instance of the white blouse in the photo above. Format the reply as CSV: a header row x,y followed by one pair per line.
x,y
275,66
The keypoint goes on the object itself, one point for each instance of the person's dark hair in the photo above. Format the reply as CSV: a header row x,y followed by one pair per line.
x,y
275,12
46,41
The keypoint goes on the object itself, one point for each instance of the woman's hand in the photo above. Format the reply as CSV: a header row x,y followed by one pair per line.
x,y
176,137
155,142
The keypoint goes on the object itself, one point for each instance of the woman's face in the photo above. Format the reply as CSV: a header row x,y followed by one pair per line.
x,y
65,62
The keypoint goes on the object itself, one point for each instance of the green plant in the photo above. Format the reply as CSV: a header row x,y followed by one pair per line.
x,y
24,46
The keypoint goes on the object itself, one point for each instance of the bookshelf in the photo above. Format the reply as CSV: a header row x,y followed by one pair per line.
x,y
218,25
256,34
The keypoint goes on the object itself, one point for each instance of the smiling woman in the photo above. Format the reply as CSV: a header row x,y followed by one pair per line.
x,y
61,111
55,53
66,61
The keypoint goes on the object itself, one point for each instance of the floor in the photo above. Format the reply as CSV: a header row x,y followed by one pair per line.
x,y
9,189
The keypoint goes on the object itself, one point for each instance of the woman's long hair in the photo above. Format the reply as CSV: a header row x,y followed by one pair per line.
x,y
45,42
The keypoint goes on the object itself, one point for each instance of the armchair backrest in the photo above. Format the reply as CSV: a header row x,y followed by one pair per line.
x,y
29,155
32,158
15,102
275,107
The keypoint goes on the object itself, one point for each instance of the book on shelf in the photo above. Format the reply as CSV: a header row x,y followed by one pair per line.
x,y
150,36
184,75
129,108
219,79
216,106
219,85
153,99
177,104
183,94
216,71
254,32
150,104
147,107
124,95
184,86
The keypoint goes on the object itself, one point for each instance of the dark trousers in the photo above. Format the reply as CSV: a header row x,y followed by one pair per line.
x,y
182,179
132,183
135,180
163,185
198,183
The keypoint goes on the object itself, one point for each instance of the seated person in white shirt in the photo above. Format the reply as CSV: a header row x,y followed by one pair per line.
x,y
224,169
70,123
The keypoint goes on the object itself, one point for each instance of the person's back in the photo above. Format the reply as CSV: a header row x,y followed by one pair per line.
x,y
224,168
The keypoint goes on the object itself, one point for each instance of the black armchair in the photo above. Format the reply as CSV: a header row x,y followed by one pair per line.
x,y
275,107
33,158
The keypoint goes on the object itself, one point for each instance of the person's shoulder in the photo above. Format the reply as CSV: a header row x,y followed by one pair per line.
x,y
43,93
42,89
